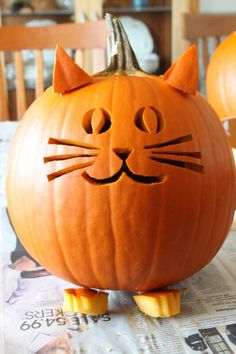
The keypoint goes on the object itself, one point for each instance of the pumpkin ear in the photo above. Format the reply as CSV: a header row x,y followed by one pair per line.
x,y
67,75
183,74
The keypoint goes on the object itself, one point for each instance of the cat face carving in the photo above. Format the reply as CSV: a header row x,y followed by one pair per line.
x,y
122,121
147,120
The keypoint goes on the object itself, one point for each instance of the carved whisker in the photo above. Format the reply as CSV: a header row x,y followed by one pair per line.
x,y
183,164
65,157
180,140
195,154
71,143
66,170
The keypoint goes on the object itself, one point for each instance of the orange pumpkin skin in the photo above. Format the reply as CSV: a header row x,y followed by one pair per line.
x,y
123,235
221,78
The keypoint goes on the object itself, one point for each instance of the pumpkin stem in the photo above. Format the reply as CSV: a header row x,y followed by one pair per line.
x,y
123,59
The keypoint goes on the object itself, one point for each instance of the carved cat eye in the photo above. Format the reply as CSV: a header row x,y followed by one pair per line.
x,y
149,120
96,121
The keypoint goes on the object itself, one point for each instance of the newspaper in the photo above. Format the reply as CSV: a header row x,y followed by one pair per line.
x,y
32,320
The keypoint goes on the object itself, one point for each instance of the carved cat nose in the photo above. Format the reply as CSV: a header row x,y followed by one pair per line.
x,y
123,154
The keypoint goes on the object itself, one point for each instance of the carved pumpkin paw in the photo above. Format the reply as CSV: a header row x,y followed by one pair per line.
x,y
163,303
86,301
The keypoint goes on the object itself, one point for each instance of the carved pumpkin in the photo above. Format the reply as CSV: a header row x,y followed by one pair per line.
x,y
221,78
126,182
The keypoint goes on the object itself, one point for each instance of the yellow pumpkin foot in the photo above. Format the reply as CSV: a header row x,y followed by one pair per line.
x,y
163,303
86,301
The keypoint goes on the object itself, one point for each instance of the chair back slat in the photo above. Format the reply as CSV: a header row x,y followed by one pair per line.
x,y
205,55
20,85
86,35
79,58
98,59
218,40
92,61
39,84
4,106
207,25
87,61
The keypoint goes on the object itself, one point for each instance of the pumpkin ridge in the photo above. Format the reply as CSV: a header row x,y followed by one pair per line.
x,y
194,233
23,200
127,264
89,242
152,267
211,234
32,238
227,227
87,245
146,278
215,186
55,215
61,245
114,236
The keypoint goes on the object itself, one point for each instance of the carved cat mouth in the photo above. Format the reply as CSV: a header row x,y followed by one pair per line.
x,y
124,170
156,151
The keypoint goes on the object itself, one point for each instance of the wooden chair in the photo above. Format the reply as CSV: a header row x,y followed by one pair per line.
x,y
76,36
207,30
